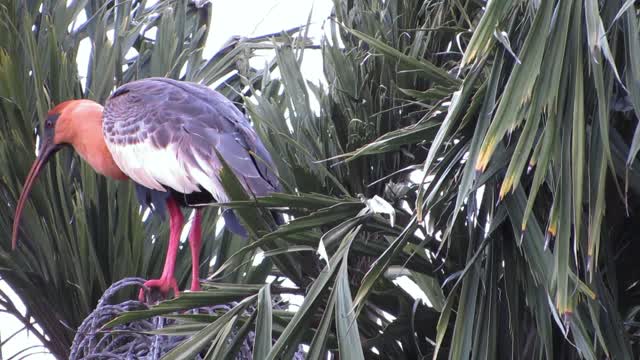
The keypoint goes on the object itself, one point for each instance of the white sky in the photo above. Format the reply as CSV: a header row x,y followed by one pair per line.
x,y
229,17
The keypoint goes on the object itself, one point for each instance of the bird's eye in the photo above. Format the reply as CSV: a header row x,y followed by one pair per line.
x,y
49,123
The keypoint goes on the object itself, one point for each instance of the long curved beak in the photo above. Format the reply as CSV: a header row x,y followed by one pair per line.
x,y
47,149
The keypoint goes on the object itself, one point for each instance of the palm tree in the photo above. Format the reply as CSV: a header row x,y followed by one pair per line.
x,y
82,232
411,169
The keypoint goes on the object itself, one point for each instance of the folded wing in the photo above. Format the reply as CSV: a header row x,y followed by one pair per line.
x,y
164,134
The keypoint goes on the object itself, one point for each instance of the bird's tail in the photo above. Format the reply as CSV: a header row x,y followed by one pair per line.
x,y
233,223
277,217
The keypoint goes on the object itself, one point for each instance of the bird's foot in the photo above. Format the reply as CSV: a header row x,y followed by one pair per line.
x,y
162,285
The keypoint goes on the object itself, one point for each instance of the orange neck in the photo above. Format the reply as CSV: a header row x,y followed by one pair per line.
x,y
80,125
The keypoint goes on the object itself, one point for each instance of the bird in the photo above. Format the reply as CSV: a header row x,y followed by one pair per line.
x,y
166,136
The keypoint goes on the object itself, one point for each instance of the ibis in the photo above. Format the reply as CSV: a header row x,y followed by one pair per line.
x,y
166,137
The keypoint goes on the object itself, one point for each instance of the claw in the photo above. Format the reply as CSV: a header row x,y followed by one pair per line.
x,y
163,285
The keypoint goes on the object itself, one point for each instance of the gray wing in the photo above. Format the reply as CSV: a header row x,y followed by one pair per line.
x,y
162,133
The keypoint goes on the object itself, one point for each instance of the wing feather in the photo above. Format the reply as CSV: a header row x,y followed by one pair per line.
x,y
164,134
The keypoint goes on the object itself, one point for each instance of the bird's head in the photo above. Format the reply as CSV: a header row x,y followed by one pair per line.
x,y
60,129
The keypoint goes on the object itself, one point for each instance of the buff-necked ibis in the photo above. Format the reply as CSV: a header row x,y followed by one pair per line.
x,y
164,135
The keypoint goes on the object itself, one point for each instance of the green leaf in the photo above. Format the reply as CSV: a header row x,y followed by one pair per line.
x,y
262,344
431,71
431,288
482,39
192,346
519,86
346,323
312,298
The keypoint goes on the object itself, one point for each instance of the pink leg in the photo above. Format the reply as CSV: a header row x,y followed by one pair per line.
x,y
195,240
167,280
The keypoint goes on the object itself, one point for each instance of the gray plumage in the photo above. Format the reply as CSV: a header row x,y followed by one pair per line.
x,y
162,133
